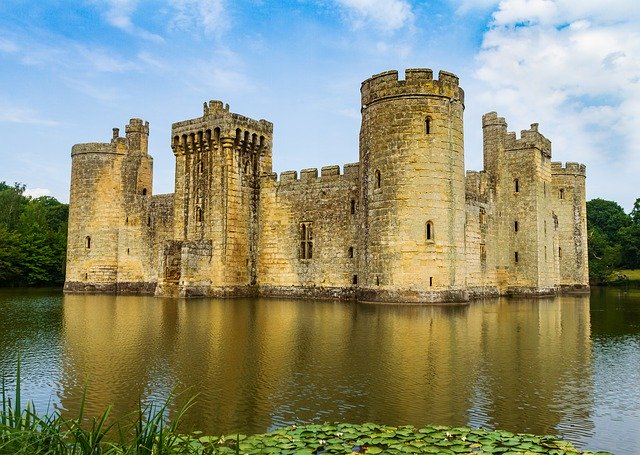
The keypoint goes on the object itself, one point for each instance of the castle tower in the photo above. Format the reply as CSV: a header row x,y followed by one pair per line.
x,y
219,158
413,188
110,185
568,196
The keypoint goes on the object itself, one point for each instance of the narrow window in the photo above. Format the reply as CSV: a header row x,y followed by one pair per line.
x,y
355,279
517,185
483,253
353,206
126,220
350,251
429,231
516,256
545,226
483,215
544,188
377,179
561,193
430,281
377,280
515,226
86,276
144,191
87,242
148,221
127,250
199,215
306,241
427,125
545,252
559,252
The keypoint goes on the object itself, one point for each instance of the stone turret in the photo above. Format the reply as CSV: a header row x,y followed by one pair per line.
x,y
413,188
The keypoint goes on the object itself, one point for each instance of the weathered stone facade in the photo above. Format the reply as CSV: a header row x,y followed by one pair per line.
x,y
404,224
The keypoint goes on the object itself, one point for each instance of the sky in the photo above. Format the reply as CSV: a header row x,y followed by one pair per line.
x,y
70,71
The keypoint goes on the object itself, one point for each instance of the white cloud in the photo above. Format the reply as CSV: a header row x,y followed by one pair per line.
x,y
572,66
118,14
23,115
208,14
8,46
386,15
37,192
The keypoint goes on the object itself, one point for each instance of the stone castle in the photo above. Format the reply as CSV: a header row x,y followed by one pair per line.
x,y
403,224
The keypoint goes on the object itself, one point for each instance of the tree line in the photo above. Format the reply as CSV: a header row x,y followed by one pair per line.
x,y
614,239
33,238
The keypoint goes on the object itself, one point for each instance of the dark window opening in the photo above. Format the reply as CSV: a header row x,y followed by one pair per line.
x,y
517,185
127,250
377,280
516,256
378,179
149,221
350,251
430,281
126,220
86,276
515,226
199,216
87,242
559,252
429,231
306,241
427,125
355,279
144,191
353,206
561,193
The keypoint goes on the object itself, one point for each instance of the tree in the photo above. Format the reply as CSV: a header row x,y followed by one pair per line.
x,y
608,217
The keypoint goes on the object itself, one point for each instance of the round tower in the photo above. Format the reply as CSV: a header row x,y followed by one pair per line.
x,y
413,188
94,216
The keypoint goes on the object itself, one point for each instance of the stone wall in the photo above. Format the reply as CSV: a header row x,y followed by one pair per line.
x,y
308,233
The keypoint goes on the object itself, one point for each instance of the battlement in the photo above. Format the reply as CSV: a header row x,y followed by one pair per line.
x,y
417,82
136,126
492,119
571,168
327,173
217,115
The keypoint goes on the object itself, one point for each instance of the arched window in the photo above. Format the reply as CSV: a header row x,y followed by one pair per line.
x,y
87,242
144,191
378,179
429,231
427,125
561,193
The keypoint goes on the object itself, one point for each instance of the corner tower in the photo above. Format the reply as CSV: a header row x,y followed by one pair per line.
x,y
413,188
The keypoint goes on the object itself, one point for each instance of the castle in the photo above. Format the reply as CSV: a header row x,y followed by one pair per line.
x,y
403,224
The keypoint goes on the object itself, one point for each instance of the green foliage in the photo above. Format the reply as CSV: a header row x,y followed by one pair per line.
x,y
614,239
33,238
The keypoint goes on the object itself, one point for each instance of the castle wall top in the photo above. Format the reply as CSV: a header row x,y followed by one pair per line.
x,y
530,138
217,115
350,171
571,168
95,147
417,82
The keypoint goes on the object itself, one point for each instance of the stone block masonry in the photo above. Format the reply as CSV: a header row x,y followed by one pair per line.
x,y
403,224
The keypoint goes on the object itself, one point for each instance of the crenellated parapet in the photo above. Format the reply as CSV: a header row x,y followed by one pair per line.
x,y
417,82
570,168
217,126
310,175
495,132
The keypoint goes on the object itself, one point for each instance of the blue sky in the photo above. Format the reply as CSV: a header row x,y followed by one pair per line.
x,y
72,70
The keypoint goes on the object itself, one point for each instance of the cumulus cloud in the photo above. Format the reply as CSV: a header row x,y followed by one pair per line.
x,y
571,65
37,192
386,15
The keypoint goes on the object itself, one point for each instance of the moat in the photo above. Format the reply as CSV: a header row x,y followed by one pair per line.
x,y
568,366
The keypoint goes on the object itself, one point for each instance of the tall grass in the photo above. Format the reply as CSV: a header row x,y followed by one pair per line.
x,y
145,432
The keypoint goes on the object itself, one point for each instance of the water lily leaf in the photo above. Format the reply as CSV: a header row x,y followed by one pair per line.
x,y
374,450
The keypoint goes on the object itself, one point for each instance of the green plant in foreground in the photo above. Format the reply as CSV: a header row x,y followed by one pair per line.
x,y
22,431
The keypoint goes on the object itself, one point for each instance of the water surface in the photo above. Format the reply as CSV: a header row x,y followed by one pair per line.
x,y
568,366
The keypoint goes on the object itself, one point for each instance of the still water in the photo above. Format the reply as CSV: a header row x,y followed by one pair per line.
x,y
568,366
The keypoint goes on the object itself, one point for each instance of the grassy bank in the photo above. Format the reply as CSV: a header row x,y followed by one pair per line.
x,y
148,432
